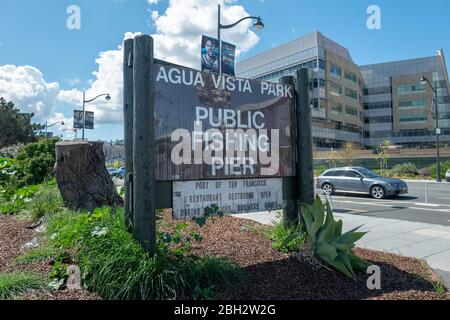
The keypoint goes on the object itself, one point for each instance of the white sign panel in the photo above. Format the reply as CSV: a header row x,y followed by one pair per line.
x,y
190,198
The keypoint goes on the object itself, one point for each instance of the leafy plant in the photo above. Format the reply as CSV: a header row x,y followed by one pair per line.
x,y
209,213
47,201
6,169
17,283
35,162
18,200
326,240
405,168
445,165
286,237
115,266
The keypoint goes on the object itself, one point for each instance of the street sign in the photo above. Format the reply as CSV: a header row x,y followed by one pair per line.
x,y
190,198
89,122
211,126
228,52
438,131
78,119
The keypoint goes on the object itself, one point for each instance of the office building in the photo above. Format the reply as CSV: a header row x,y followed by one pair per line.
x,y
364,105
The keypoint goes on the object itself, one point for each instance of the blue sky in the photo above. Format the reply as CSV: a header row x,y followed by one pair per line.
x,y
34,33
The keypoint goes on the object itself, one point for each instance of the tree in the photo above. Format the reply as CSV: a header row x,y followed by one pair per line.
x,y
382,157
15,127
349,153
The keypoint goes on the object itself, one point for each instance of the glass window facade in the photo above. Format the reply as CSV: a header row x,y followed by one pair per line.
x,y
352,111
411,88
413,118
350,76
351,93
413,104
336,108
335,70
335,89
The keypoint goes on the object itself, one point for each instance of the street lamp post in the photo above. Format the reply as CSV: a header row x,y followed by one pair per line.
x,y
107,97
258,25
425,80
49,126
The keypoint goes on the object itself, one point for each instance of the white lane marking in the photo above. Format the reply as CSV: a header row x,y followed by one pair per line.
x,y
433,233
388,201
426,204
393,206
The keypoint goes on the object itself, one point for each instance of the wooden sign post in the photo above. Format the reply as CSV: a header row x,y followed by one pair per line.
x,y
203,139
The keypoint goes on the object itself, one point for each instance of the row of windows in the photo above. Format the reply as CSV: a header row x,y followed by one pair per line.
x,y
336,125
411,88
378,105
413,118
411,104
378,90
403,133
351,93
336,109
372,120
336,90
337,72
350,76
311,64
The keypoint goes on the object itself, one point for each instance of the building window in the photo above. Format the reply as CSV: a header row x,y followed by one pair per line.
x,y
335,89
420,103
335,70
336,108
379,90
317,82
321,64
350,76
351,93
377,105
411,88
372,120
352,111
413,118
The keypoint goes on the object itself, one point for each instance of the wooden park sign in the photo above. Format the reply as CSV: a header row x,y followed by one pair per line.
x,y
194,139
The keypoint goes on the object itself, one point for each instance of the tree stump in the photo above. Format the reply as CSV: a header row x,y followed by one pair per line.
x,y
82,178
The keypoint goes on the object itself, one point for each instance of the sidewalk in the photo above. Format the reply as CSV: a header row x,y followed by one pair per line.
x,y
411,239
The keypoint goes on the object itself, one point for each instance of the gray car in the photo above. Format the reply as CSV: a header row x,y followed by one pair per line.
x,y
447,176
360,180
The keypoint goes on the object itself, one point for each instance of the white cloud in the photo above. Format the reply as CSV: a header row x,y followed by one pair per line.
x,y
179,29
152,1
27,88
177,39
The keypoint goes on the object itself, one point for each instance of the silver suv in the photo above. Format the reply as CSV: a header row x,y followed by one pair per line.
x,y
360,180
447,176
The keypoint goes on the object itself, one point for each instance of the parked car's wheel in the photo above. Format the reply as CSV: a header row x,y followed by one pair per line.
x,y
327,189
377,192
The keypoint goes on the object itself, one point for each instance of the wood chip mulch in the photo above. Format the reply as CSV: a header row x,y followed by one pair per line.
x,y
274,275
268,274
13,235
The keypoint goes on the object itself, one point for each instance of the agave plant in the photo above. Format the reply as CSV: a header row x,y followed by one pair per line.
x,y
326,241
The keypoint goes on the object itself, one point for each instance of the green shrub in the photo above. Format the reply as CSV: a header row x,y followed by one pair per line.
x,y
6,169
286,238
39,254
15,284
405,169
35,162
16,200
46,202
115,266
326,241
445,166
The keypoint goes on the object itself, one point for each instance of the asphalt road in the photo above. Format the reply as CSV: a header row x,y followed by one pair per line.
x,y
417,205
